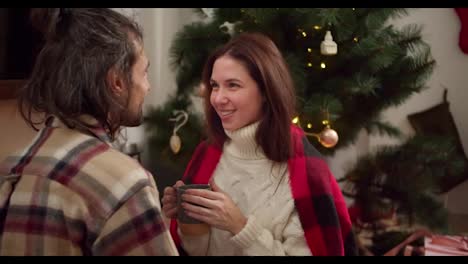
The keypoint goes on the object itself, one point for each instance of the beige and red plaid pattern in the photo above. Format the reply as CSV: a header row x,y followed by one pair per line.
x,y
76,195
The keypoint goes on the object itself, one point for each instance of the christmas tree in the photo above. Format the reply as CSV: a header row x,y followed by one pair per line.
x,y
376,66
348,66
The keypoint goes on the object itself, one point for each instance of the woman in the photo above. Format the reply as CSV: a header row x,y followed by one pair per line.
x,y
272,193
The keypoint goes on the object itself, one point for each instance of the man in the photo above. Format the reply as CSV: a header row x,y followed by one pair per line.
x,y
69,192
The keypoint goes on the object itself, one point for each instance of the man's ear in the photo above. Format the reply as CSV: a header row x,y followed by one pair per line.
x,y
116,82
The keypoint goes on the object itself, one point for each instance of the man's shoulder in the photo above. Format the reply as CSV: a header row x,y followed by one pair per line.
x,y
100,153
97,163
118,164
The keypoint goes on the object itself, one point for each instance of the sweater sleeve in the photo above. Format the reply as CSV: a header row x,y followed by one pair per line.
x,y
256,240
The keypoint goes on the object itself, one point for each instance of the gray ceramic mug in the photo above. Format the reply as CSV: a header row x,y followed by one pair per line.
x,y
181,216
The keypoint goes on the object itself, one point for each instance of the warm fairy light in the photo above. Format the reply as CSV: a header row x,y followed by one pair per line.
x,y
322,65
309,50
354,9
317,27
304,34
355,39
309,125
309,64
295,120
325,122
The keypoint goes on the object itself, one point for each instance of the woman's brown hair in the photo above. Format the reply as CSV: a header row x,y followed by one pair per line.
x,y
69,78
268,68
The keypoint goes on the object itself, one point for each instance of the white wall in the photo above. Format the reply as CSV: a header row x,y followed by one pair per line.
x,y
159,27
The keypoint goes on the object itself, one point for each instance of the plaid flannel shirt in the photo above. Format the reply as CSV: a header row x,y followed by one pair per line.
x,y
71,193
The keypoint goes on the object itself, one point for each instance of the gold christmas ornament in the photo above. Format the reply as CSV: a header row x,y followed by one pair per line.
x,y
181,118
328,137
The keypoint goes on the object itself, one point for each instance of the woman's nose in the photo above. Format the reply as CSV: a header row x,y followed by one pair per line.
x,y
220,97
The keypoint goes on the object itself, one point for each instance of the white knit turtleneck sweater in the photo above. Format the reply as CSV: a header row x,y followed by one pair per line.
x,y
261,190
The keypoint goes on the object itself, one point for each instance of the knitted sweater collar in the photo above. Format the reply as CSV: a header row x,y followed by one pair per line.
x,y
242,143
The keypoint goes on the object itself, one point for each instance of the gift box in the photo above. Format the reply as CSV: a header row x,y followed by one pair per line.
x,y
442,245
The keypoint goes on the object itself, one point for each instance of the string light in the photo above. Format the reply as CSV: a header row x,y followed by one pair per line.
x,y
309,50
325,122
309,125
295,120
304,34
354,9
317,27
309,64
322,65
355,39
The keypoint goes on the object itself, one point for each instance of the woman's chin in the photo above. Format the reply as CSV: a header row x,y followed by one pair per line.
x,y
229,127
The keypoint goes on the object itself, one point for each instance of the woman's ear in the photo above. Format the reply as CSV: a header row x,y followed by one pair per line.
x,y
116,82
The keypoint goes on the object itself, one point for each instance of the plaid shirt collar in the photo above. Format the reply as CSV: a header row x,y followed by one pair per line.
x,y
95,128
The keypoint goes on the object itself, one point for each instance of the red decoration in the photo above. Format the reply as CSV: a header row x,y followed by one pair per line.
x,y
463,15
